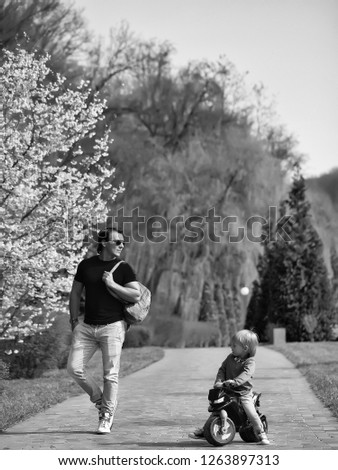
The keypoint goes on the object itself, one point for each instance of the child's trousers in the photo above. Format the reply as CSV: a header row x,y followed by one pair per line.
x,y
249,408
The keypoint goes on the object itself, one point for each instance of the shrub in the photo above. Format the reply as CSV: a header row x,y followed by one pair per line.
x,y
40,352
4,374
61,331
30,358
3,370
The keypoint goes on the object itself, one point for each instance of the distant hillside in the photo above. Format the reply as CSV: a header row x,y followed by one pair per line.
x,y
323,196
327,183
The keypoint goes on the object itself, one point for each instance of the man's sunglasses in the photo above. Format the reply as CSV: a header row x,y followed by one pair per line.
x,y
118,242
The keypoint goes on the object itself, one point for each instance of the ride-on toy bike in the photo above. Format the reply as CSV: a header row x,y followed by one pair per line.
x,y
219,430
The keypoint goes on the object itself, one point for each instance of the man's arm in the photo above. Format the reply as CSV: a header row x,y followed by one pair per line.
x,y
74,302
129,292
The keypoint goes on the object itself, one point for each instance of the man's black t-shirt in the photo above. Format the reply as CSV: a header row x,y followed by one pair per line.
x,y
101,307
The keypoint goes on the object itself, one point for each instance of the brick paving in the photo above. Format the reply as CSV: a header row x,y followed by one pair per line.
x,y
160,404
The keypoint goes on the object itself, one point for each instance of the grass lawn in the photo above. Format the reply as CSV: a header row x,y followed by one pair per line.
x,y
22,398
319,363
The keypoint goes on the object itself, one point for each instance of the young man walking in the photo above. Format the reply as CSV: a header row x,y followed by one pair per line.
x,y
103,325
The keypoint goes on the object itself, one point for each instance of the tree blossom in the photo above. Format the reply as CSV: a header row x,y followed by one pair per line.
x,y
55,178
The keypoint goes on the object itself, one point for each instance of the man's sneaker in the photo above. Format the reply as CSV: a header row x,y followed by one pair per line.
x,y
197,434
105,423
263,439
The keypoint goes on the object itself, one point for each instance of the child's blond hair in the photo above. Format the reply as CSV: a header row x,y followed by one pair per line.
x,y
248,339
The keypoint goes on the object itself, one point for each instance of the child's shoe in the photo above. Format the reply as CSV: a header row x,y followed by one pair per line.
x,y
263,439
197,434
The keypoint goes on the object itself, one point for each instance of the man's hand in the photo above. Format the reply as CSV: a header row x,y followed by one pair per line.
x,y
73,323
108,279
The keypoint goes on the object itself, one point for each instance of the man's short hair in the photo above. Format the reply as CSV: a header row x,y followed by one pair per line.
x,y
104,236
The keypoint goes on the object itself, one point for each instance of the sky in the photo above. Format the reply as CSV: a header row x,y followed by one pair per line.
x,y
291,46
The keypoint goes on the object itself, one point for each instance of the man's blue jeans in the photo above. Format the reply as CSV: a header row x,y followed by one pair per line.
x,y
87,339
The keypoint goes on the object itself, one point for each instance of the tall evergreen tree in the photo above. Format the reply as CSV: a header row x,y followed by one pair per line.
x,y
257,308
229,311
208,310
222,314
293,289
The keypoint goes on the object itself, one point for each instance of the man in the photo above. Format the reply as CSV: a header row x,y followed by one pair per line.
x,y
103,325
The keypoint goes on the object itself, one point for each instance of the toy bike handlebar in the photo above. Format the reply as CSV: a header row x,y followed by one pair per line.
x,y
226,386
229,389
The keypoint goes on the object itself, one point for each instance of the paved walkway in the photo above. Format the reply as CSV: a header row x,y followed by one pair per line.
x,y
160,404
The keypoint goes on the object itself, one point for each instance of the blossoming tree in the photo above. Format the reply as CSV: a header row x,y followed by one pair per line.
x,y
50,186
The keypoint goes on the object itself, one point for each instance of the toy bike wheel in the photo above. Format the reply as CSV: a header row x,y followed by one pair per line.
x,y
213,433
247,433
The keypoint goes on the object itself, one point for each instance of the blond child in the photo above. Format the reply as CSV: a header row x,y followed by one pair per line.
x,y
237,372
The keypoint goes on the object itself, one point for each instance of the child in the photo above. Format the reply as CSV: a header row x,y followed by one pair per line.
x,y
237,372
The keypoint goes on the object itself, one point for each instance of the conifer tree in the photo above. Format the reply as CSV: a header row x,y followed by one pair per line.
x,y
222,314
293,289
208,306
257,307
229,310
